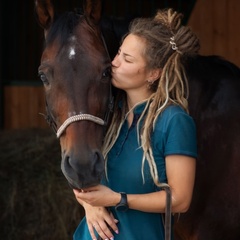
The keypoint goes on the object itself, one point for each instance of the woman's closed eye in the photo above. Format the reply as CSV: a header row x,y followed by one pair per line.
x,y
128,61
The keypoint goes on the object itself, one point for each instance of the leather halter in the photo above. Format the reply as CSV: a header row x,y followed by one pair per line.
x,y
76,118
82,116
79,117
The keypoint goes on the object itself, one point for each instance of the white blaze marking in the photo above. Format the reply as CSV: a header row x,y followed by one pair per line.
x,y
72,53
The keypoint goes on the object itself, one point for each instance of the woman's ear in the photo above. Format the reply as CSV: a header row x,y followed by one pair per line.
x,y
154,74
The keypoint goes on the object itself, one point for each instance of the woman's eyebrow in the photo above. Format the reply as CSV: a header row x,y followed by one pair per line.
x,y
128,55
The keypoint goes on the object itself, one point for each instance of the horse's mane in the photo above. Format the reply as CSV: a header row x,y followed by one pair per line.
x,y
212,66
211,73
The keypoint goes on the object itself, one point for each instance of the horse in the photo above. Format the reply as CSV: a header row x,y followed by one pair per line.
x,y
75,73
214,103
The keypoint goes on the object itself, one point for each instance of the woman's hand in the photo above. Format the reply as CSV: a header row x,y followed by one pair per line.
x,y
102,221
98,217
99,195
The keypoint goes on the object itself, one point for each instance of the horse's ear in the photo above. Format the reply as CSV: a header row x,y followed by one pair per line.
x,y
93,10
44,13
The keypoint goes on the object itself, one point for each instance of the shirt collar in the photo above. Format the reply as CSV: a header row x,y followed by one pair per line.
x,y
138,109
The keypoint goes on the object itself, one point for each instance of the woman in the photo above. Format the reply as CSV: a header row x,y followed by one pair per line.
x,y
151,140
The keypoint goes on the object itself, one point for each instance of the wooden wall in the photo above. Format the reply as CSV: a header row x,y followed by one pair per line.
x,y
22,107
216,22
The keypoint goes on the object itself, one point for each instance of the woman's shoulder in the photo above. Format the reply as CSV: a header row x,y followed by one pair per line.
x,y
171,111
172,114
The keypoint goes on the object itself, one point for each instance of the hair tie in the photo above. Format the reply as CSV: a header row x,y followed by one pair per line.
x,y
174,45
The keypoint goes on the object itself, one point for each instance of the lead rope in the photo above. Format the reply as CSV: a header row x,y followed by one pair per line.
x,y
168,215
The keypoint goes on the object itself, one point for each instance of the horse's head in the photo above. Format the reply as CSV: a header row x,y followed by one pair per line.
x,y
75,71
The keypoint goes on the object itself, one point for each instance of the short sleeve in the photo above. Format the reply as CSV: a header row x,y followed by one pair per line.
x,y
180,135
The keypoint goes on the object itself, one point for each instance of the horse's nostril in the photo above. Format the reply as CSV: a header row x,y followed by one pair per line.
x,y
67,161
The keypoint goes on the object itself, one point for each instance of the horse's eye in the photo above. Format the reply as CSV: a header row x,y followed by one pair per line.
x,y
107,72
43,78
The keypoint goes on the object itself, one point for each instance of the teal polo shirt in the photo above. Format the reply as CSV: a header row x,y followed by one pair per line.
x,y
174,133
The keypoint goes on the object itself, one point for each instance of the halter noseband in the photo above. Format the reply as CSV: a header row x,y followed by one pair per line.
x,y
76,118
79,117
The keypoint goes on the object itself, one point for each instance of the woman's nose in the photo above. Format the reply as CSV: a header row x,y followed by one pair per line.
x,y
115,61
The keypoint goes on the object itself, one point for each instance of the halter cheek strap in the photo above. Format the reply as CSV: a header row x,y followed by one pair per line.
x,y
76,118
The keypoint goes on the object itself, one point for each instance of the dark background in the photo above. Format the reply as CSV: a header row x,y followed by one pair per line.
x,y
22,38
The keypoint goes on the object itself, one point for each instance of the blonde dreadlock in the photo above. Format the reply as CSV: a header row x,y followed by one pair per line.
x,y
167,43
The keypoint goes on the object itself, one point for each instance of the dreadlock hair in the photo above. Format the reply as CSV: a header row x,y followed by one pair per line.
x,y
168,43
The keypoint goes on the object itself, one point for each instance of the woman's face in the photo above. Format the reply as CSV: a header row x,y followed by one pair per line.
x,y
129,66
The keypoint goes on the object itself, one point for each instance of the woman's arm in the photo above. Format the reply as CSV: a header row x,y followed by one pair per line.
x,y
180,173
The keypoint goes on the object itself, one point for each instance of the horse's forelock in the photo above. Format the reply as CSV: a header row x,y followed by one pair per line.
x,y
62,27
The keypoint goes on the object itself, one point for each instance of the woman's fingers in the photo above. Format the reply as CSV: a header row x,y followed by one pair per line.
x,y
112,223
91,231
102,229
100,222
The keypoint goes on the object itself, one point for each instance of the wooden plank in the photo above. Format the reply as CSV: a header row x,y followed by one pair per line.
x,y
11,107
216,24
37,106
201,22
22,105
233,31
220,23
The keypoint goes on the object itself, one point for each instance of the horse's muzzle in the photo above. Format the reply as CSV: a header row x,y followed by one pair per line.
x,y
83,171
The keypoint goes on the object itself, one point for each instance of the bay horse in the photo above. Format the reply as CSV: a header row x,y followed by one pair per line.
x,y
75,72
214,103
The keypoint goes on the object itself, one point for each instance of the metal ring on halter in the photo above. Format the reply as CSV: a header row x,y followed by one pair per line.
x,y
76,118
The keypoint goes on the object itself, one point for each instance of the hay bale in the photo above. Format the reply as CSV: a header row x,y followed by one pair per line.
x,y
36,201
